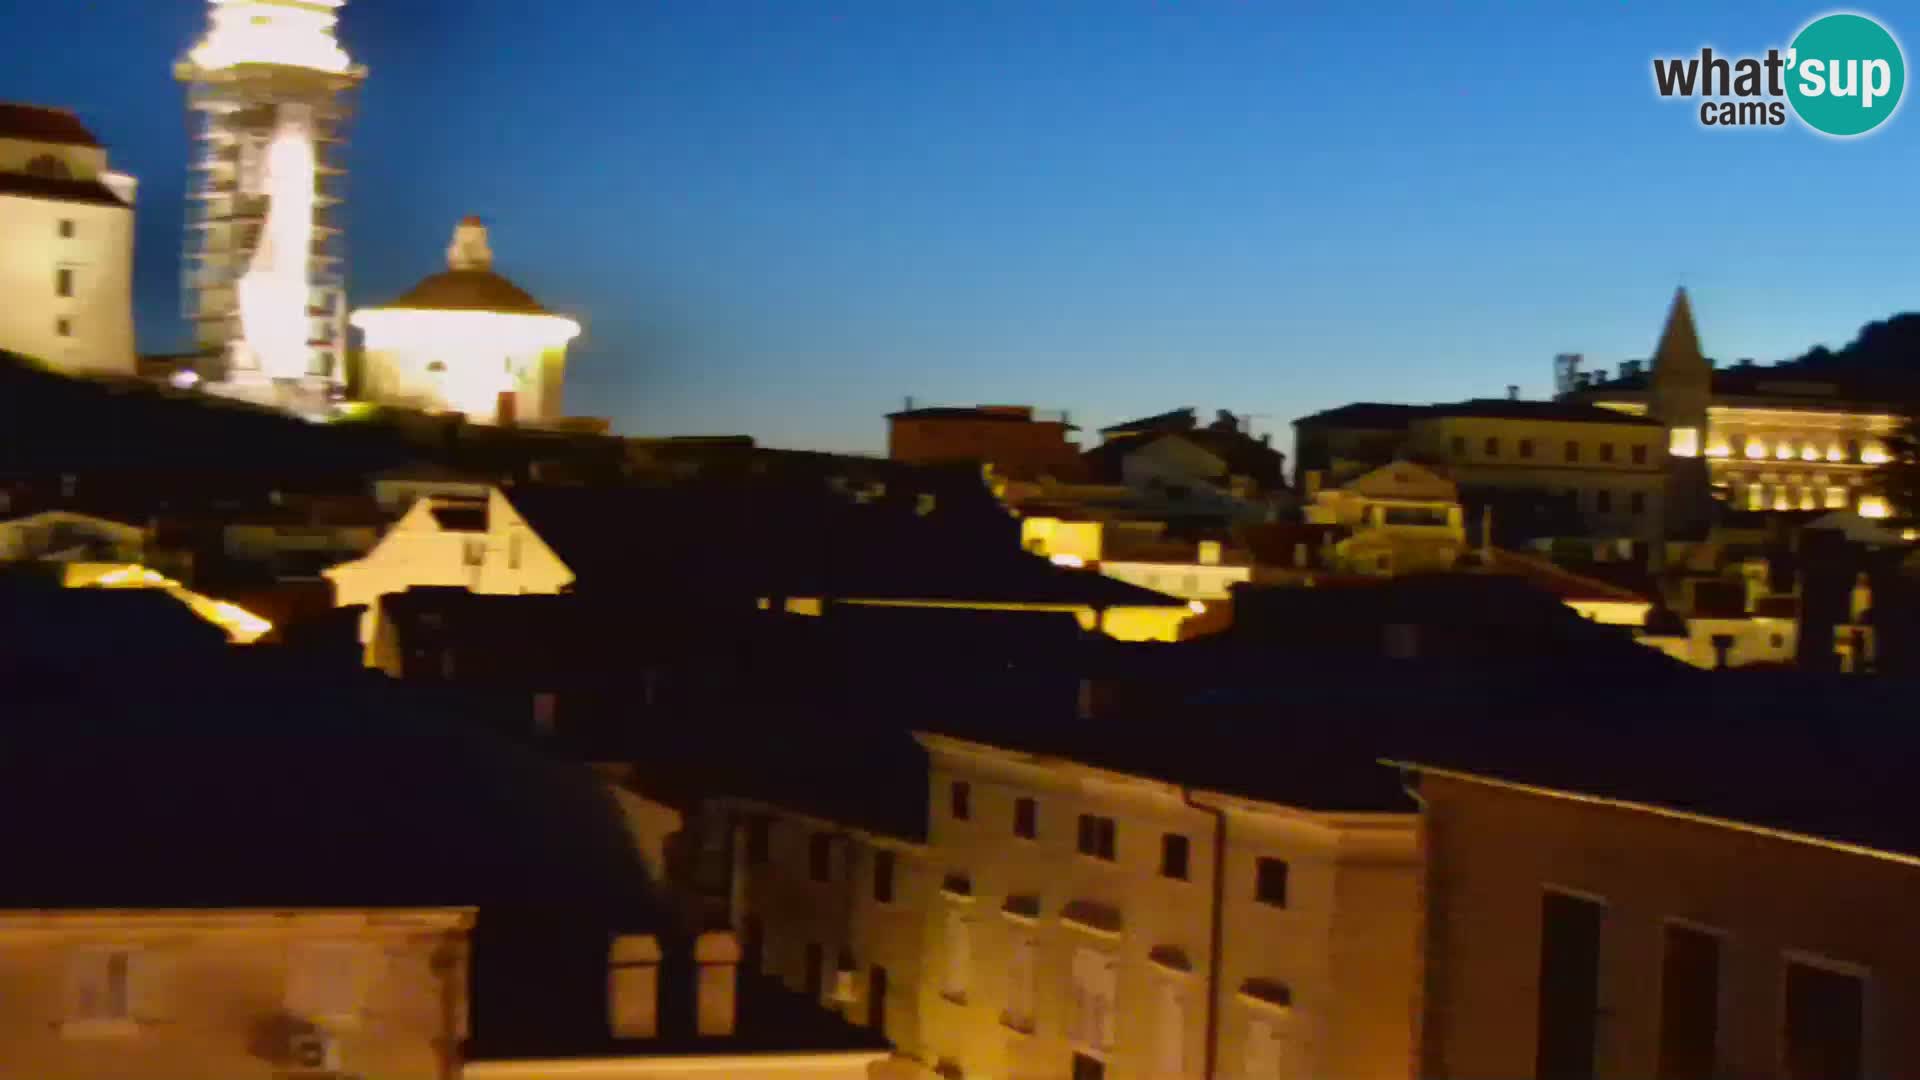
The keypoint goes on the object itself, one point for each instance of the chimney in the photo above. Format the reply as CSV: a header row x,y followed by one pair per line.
x,y
909,407
633,987
1513,392
717,957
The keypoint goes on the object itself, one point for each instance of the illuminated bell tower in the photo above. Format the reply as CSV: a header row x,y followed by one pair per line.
x,y
265,284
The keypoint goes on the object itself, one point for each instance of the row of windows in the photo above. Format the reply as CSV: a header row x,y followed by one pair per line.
x,y
1098,837
1524,449
1822,1020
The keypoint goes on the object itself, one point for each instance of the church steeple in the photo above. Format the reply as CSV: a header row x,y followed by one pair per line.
x,y
1679,352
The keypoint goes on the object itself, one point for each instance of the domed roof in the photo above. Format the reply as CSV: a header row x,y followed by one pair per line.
x,y
469,283
470,290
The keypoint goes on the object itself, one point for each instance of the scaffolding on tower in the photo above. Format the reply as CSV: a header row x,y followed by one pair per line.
x,y
264,277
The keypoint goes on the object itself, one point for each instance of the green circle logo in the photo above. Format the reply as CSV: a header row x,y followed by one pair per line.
x,y
1845,74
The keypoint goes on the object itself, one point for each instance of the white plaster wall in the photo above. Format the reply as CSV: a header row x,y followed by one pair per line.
x,y
100,311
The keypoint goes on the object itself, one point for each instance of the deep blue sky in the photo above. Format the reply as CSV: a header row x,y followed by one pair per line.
x,y
780,217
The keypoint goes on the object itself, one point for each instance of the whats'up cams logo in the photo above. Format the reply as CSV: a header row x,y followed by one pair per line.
x,y
1842,76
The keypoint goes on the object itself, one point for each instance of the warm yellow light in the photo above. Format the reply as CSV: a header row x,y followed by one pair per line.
x,y
1071,561
1756,449
273,294
1784,451
1834,453
1196,607
1684,442
1806,499
1719,447
456,332
1808,453
1910,534
1875,454
272,32
242,627
1780,500
1836,498
1874,506
1757,497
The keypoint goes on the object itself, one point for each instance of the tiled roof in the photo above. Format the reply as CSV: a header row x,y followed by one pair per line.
x,y
1177,420
1366,415
91,192
39,123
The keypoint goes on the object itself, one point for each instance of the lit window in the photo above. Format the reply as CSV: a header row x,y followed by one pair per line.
x,y
1806,499
1874,506
1809,453
1784,451
1756,449
1780,498
1875,454
1835,453
1836,498
1756,496
1684,442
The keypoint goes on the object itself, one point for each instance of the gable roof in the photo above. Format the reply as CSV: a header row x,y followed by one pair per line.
x,y
43,124
1175,420
1403,479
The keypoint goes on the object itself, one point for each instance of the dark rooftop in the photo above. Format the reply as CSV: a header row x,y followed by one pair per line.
x,y
1366,415
43,124
92,192
1373,416
469,290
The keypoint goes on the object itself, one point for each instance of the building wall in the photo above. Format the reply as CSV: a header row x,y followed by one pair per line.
x,y
1020,447
471,375
98,317
1343,944
770,1066
1756,640
509,557
1462,443
1494,853
1191,581
209,994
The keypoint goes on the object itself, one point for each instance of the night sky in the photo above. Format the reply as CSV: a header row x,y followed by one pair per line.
x,y
781,217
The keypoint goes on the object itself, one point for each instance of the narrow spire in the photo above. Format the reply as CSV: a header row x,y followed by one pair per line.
x,y
1679,348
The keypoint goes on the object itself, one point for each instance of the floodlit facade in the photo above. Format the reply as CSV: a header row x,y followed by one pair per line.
x,y
1771,440
265,280
66,267
1064,921
468,341
484,546
1405,519
169,995
1581,936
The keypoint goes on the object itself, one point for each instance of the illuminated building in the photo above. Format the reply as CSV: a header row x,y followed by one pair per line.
x,y
265,284
66,263
467,341
1779,438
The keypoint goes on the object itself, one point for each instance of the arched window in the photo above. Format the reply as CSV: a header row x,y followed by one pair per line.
x,y
48,167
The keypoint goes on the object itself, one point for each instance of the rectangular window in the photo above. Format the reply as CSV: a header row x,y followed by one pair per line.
x,y
63,326
1573,450
759,839
1526,448
324,980
1493,446
63,281
953,981
1092,1022
1567,1028
1026,818
1640,454
1173,856
1021,976
883,877
1637,502
820,857
1603,502
475,552
1270,882
877,999
1689,1004
816,973
962,800
101,986
1606,451
66,228
1098,836
1825,1021
1170,1032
